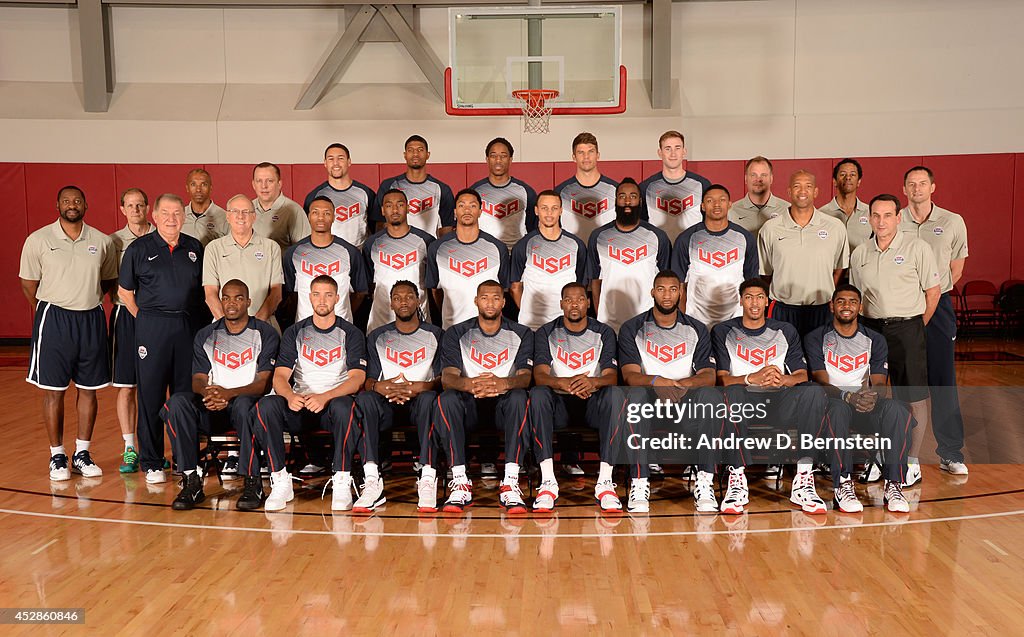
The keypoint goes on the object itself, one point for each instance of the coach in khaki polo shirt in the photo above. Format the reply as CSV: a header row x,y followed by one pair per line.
x,y
900,286
946,233
244,255
204,219
803,251
759,205
277,217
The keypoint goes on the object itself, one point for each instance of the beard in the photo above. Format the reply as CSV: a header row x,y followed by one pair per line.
x,y
666,311
627,215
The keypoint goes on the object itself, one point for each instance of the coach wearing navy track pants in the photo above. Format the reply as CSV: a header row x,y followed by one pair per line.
x,y
161,285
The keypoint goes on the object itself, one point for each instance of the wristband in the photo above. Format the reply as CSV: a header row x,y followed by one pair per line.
x,y
654,379
746,380
844,396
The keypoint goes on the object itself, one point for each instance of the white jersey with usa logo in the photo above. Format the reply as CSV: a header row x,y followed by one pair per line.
x,y
431,203
340,260
741,350
675,352
586,208
713,264
457,269
626,262
589,351
392,259
351,209
673,206
233,360
320,360
416,355
543,267
474,352
849,360
506,212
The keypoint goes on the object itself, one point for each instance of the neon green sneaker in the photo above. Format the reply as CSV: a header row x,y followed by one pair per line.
x,y
129,461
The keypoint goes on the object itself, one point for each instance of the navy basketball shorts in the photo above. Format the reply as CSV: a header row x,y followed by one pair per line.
x,y
68,346
122,347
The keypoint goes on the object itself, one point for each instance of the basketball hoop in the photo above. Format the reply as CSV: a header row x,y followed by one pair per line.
x,y
536,104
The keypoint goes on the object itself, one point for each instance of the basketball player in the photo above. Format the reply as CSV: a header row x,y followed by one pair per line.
x,y
588,197
352,200
431,205
673,196
507,203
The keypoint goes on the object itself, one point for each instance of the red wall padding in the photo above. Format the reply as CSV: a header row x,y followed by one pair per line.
x,y
988,190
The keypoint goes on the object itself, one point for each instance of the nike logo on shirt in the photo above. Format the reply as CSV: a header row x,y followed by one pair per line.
x,y
151,258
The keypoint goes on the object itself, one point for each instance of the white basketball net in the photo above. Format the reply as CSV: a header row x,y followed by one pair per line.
x,y
536,110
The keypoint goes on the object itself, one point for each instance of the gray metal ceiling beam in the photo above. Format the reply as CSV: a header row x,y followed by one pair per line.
x,y
659,50
417,47
341,55
97,59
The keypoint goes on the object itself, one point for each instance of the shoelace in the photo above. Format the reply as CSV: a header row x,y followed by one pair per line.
x,y
604,487
702,490
846,491
548,485
329,482
892,490
640,492
459,485
60,461
805,482
84,458
735,489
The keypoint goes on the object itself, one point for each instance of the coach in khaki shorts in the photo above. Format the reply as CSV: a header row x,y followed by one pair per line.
x,y
897,276
66,267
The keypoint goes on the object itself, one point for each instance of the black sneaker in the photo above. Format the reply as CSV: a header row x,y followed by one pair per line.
x,y
191,492
230,466
82,463
252,494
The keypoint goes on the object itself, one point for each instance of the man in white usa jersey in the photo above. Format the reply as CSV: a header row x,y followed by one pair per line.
x,y
544,262
672,197
402,376
588,197
713,258
396,253
352,200
431,205
622,257
508,203
458,262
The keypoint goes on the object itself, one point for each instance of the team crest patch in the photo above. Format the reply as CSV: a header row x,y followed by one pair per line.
x,y
863,221
93,250
259,256
823,234
773,215
938,231
275,218
192,255
143,351
210,225
898,259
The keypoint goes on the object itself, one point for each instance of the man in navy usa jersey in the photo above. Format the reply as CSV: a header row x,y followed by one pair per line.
x,y
672,197
575,365
508,202
458,262
402,376
849,361
321,365
665,354
487,363
588,197
231,365
544,262
396,253
622,257
431,205
352,200
757,356
713,257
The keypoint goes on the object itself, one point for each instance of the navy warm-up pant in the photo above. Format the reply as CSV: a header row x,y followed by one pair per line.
x,y
376,414
456,412
163,362
805,318
273,418
892,419
947,421
551,411
186,417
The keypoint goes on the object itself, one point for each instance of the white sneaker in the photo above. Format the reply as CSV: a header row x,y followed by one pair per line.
x,y
460,496
656,469
639,496
426,488
547,495
737,493
872,472
704,493
572,469
488,469
82,463
281,492
156,476
805,496
311,470
844,497
341,498
605,494
510,497
894,500
913,475
953,467
59,470
772,471
371,496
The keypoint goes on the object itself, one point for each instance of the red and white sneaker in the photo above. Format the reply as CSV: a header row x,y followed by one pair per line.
x,y
737,493
805,496
606,497
426,489
461,496
845,497
510,497
547,495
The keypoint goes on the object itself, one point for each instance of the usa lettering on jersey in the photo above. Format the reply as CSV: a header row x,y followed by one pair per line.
x,y
404,357
673,205
757,355
322,357
468,267
232,360
575,360
665,353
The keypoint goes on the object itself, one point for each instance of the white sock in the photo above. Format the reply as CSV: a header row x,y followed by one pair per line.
x,y
428,472
736,470
232,454
280,475
511,472
604,474
57,450
81,445
370,471
129,440
547,470
805,465
640,480
459,472
911,460
345,475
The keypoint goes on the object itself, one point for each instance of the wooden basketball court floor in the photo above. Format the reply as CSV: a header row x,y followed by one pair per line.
x,y
114,547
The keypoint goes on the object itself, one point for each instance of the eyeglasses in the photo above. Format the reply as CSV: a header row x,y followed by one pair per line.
x,y
246,211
